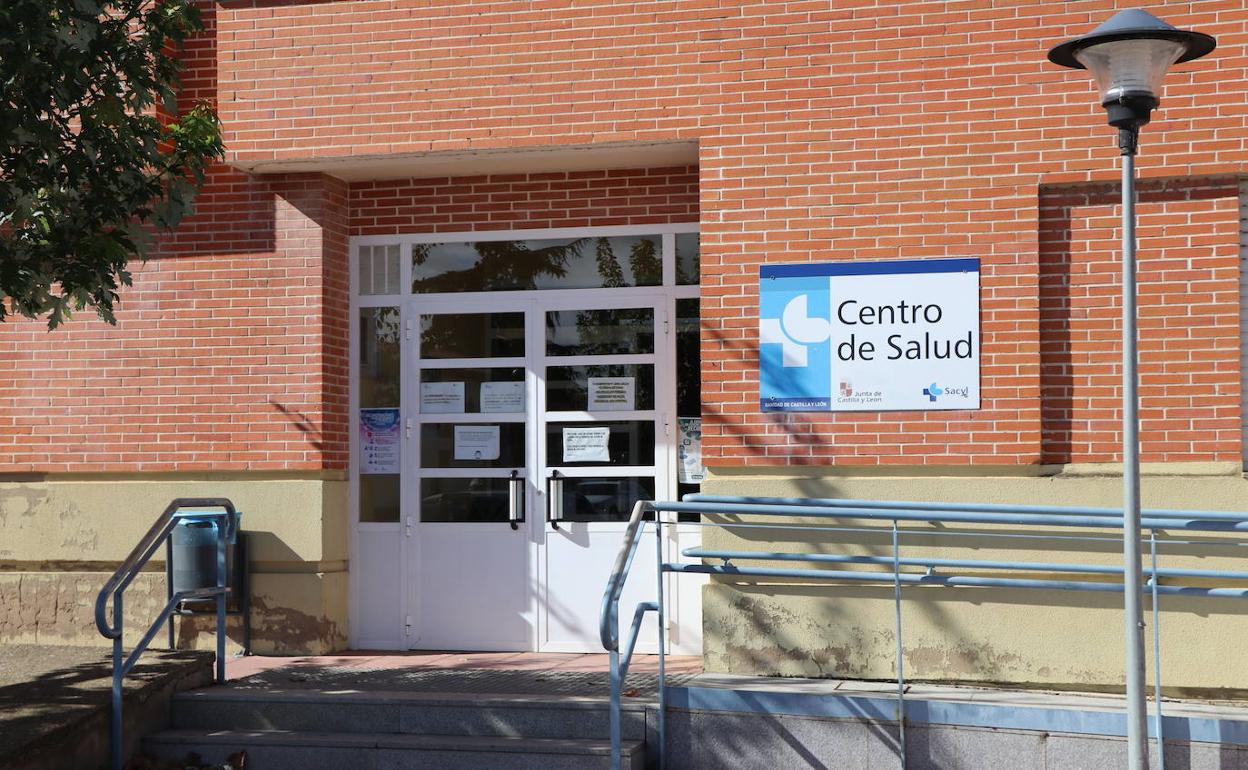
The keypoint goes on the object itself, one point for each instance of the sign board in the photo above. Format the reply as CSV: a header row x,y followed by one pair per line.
x,y
380,440
689,469
442,397
869,336
476,442
502,396
612,394
586,445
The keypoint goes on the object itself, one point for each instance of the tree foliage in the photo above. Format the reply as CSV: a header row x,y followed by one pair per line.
x,y
94,153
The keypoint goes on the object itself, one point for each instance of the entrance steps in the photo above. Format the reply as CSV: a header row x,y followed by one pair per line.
x,y
323,728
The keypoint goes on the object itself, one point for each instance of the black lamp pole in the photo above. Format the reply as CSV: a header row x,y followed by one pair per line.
x,y
1128,55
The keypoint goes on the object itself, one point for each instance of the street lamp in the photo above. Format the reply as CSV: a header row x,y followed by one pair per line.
x,y
1129,55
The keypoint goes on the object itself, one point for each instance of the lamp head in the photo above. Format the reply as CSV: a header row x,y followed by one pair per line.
x,y
1129,55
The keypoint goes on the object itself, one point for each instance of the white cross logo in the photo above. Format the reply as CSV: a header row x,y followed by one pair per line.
x,y
793,331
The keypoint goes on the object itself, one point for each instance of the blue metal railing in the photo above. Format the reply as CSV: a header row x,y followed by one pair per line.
x,y
826,512
226,521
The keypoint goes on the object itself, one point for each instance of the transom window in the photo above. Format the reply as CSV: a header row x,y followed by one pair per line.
x,y
617,258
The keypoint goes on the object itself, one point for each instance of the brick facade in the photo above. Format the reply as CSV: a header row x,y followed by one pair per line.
x,y
520,201
825,131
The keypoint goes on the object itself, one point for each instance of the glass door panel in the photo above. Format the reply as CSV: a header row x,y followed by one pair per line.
x,y
601,422
573,388
472,544
472,335
599,332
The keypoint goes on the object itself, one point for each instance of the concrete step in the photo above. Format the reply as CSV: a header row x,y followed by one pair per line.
x,y
415,713
290,750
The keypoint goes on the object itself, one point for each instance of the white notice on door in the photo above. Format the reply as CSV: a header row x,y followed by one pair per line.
x,y
502,397
442,397
586,445
612,394
476,442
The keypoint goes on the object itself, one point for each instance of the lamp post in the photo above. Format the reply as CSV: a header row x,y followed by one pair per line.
x,y
1129,55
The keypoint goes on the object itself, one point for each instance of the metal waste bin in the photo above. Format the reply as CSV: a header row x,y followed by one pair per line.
x,y
194,552
192,563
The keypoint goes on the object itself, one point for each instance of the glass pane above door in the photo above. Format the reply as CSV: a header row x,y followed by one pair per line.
x,y
688,258
592,262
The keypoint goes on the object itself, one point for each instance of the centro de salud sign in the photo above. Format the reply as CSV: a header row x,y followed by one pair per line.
x,y
869,336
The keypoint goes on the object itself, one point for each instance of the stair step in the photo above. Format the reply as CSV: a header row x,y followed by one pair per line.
x,y
294,750
307,710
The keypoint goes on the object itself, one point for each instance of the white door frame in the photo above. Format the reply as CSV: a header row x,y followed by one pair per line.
x,y
408,305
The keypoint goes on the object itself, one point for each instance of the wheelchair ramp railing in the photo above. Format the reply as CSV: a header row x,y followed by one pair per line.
x,y
899,519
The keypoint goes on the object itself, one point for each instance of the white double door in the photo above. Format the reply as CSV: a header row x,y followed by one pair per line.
x,y
538,421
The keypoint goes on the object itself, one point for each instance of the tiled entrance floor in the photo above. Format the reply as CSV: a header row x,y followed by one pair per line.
x,y
361,661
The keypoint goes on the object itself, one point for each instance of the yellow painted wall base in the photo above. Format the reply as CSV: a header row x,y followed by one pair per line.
x,y
63,537
1036,638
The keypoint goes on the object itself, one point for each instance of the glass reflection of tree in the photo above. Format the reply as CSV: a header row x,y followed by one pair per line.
x,y
688,258
608,266
646,262
500,266
379,357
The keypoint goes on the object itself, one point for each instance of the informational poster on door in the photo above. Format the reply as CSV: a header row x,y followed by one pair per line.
x,y
442,397
502,396
612,394
381,437
689,469
586,445
476,442
869,336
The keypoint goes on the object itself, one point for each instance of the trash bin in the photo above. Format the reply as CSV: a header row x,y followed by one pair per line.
x,y
194,555
193,564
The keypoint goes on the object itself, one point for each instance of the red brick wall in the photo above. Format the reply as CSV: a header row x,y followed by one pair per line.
x,y
863,130
515,201
229,352
1188,319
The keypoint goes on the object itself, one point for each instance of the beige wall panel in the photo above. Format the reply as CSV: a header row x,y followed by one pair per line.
x,y
291,520
1041,638
61,538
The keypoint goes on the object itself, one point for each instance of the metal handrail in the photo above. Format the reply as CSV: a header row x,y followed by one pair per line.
x,y
891,512
115,587
608,616
609,622
934,564
906,505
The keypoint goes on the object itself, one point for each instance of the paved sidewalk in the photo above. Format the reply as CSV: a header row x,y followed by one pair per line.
x,y
54,696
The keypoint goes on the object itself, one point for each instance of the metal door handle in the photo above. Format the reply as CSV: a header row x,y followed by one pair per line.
x,y
554,499
515,500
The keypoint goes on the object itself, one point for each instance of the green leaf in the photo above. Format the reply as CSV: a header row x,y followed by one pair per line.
x,y
87,173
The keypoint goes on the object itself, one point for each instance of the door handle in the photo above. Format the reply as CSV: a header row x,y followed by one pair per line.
x,y
554,499
515,500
